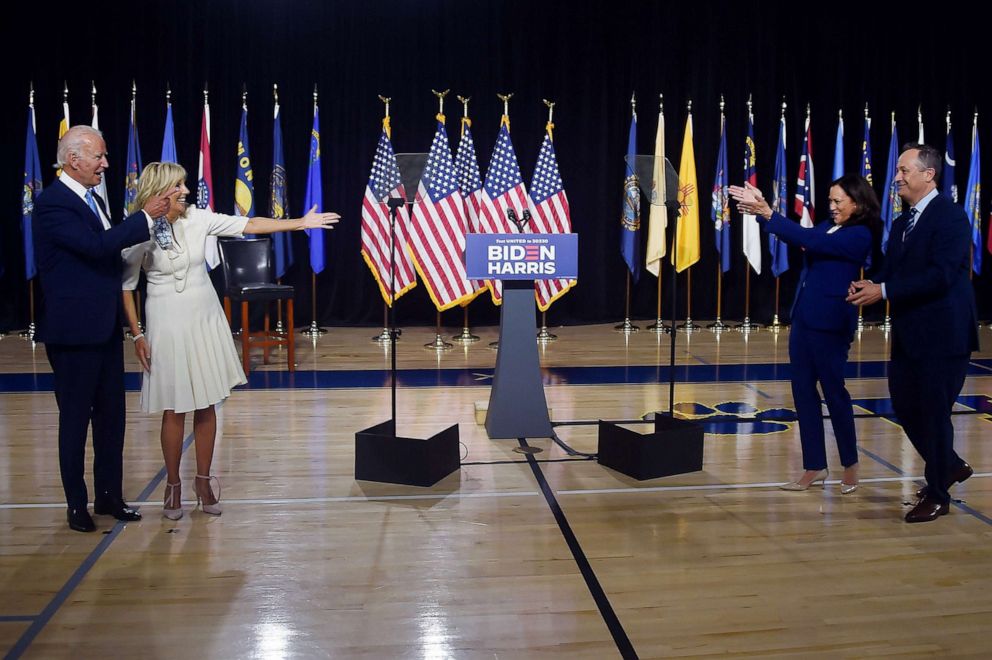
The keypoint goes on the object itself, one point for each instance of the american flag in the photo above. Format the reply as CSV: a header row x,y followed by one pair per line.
x,y
384,182
439,228
550,215
504,190
803,205
470,184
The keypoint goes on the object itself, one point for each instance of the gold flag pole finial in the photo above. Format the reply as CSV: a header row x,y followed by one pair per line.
x,y
661,103
866,110
723,104
65,91
840,114
385,120
505,98
807,110
976,116
92,92
205,93
31,94
750,106
315,96
440,103
948,119
244,96
549,127
784,106
465,120
275,92
168,94
689,106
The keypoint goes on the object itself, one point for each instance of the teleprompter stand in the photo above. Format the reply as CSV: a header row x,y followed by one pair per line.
x,y
380,453
675,446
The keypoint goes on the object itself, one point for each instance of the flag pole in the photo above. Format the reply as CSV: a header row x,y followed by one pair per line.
x,y
386,338
28,333
659,327
747,325
718,325
439,344
543,335
776,323
466,336
314,331
627,327
688,327
280,328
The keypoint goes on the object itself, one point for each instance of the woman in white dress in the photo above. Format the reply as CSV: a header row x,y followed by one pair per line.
x,y
195,363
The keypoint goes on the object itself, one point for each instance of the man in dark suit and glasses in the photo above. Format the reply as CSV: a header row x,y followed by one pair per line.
x,y
934,322
79,263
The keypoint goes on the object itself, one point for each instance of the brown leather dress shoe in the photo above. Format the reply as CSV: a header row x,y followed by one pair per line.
x,y
958,476
927,510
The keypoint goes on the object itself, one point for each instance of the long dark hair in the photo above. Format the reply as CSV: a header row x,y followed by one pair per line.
x,y
867,210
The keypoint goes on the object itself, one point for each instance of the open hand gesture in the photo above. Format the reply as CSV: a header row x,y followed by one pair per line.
x,y
314,220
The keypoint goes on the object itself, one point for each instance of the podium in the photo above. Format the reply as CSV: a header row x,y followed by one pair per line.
x,y
517,405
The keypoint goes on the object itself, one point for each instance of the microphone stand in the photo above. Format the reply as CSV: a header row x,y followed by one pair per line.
x,y
394,203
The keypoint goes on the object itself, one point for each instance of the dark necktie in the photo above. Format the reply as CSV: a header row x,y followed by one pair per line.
x,y
910,223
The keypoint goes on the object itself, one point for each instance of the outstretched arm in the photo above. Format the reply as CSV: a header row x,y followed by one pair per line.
x,y
312,220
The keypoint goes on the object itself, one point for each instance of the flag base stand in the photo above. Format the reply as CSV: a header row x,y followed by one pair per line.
x,y
28,333
438,344
381,455
689,326
748,326
544,336
383,337
466,337
718,326
313,331
776,325
659,328
626,327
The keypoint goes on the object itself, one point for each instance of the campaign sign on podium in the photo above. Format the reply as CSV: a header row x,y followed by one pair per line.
x,y
522,256
517,406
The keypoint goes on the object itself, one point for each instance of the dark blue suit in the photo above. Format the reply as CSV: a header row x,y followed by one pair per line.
x,y
79,266
823,326
934,330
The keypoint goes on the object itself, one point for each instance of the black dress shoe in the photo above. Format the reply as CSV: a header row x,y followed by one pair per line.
x,y
927,510
116,508
957,476
80,520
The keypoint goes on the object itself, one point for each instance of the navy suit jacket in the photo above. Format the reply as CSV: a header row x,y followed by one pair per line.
x,y
926,282
831,261
79,266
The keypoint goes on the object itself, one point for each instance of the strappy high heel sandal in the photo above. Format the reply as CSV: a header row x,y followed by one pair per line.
x,y
213,509
173,500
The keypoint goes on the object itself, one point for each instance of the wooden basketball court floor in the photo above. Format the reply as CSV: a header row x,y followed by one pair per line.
x,y
512,556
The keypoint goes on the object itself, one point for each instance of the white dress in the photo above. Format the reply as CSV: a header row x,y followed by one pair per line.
x,y
194,361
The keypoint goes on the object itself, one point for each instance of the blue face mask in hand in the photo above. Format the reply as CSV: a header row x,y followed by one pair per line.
x,y
162,232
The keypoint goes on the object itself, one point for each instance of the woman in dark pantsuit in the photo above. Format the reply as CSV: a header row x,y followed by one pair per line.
x,y
823,324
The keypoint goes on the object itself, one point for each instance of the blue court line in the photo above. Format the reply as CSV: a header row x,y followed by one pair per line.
x,y
467,377
40,621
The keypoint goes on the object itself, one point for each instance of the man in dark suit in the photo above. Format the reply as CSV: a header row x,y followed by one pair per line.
x,y
79,262
934,322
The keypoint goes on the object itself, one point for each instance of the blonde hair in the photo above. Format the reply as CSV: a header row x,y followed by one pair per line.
x,y
156,178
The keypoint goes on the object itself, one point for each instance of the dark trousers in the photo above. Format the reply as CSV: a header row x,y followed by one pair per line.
x,y
89,387
819,356
923,392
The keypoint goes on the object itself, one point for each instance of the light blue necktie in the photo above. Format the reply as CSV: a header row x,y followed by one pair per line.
x,y
910,223
92,203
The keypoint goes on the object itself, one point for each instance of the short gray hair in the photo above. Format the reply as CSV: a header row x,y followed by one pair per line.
x,y
929,157
73,140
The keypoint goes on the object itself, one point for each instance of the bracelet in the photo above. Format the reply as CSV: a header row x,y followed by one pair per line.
x,y
137,337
